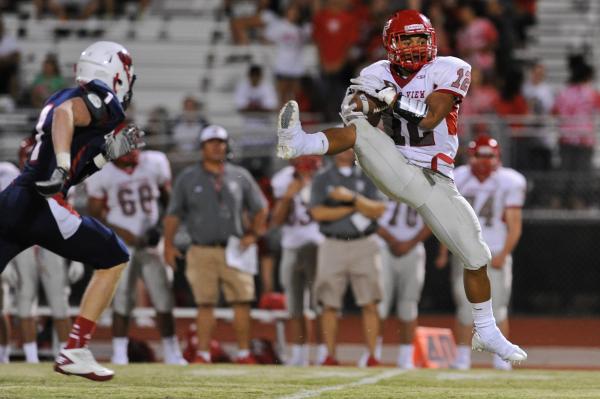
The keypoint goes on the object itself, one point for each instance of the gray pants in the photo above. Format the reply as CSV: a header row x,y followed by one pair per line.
x,y
297,275
434,196
403,279
148,264
37,264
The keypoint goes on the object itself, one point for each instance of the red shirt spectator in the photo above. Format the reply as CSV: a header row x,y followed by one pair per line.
x,y
335,31
477,39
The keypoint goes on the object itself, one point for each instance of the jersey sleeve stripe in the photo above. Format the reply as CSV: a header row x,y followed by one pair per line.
x,y
450,91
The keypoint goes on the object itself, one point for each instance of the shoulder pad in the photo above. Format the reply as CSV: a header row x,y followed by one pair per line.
x,y
95,104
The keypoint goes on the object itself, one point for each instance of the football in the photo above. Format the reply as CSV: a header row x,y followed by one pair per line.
x,y
369,105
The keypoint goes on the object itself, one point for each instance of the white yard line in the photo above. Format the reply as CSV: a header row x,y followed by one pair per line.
x,y
374,379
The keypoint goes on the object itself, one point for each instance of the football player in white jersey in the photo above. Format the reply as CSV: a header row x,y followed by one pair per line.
x,y
497,195
8,172
412,159
126,194
300,237
402,233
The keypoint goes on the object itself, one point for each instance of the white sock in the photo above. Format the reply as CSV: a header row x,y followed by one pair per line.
x,y
322,353
31,352
296,359
483,317
4,353
305,355
242,353
204,355
171,346
378,347
315,144
463,355
120,347
405,355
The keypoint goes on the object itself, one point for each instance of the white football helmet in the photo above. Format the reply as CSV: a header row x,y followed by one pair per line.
x,y
110,63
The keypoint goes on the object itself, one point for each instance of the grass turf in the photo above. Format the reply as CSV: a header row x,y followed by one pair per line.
x,y
19,380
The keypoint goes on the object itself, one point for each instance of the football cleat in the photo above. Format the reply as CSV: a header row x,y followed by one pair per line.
x,y
500,364
330,361
499,345
373,362
246,360
175,358
81,362
289,131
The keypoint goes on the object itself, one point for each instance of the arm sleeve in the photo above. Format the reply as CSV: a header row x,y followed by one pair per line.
x,y
515,197
454,77
254,199
177,202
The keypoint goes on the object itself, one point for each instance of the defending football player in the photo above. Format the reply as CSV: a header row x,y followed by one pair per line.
x,y
75,138
412,159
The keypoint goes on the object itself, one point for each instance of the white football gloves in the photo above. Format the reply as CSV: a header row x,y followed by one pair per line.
x,y
347,110
54,185
408,108
123,142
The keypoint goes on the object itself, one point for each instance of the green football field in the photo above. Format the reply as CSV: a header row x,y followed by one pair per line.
x,y
19,380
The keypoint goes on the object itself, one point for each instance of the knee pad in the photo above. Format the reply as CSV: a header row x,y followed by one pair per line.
x,y
407,310
464,314
478,257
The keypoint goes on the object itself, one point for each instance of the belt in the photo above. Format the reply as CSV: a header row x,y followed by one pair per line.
x,y
221,244
346,237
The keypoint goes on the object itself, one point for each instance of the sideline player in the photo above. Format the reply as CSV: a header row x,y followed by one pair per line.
x,y
75,138
497,195
413,161
300,238
402,233
125,195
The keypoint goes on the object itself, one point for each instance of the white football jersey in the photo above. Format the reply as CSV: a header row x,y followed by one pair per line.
x,y
132,198
402,221
299,228
505,188
8,172
421,147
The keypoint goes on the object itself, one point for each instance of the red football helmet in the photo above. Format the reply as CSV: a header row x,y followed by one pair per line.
x,y
409,23
25,149
484,153
307,164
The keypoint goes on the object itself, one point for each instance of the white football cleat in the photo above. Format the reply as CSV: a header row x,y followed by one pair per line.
x,y
289,131
500,364
499,345
81,362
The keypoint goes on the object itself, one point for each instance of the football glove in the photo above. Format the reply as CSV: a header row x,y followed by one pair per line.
x,y
347,110
119,143
54,185
369,84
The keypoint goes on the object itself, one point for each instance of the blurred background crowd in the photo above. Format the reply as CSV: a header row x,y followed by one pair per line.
x,y
235,62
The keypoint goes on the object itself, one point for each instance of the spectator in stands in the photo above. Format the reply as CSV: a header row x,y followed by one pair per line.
x,y
189,125
335,33
256,98
214,198
540,98
72,9
345,203
48,81
577,105
477,39
289,37
481,100
158,127
10,56
511,104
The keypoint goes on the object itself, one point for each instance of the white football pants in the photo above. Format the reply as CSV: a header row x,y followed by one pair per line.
x,y
434,196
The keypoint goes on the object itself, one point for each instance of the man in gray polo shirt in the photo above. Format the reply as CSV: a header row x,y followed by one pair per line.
x,y
213,198
346,204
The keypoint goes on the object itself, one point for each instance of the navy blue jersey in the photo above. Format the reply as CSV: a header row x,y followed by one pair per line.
x,y
107,114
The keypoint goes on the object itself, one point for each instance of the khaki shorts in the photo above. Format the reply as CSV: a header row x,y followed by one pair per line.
x,y
340,261
206,269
